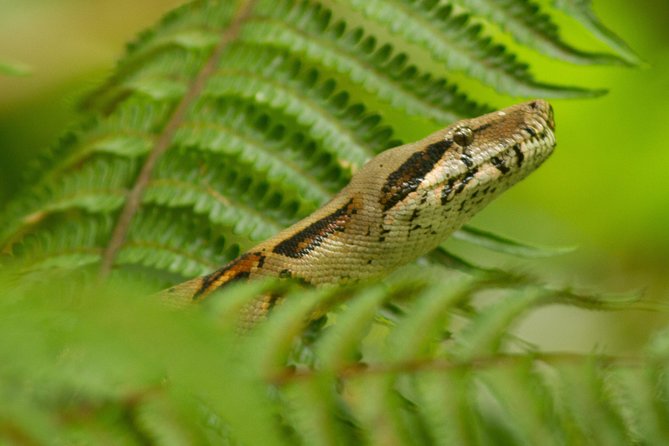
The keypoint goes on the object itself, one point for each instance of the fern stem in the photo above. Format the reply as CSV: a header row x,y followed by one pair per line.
x,y
357,369
163,142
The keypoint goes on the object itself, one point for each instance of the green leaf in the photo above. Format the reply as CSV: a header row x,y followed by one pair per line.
x,y
520,388
224,123
505,245
484,334
530,26
602,420
253,131
452,41
426,320
360,57
637,397
14,69
581,10
339,344
447,400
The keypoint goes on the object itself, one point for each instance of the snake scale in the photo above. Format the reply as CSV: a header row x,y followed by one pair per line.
x,y
398,206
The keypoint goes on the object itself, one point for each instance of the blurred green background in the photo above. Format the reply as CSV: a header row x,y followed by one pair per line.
x,y
606,189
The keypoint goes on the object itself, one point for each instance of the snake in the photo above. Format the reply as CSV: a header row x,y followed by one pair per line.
x,y
399,206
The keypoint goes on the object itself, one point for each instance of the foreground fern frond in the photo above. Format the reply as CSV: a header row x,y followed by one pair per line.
x,y
122,368
228,121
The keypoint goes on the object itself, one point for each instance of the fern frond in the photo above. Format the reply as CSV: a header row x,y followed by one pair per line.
x,y
521,389
340,344
126,356
524,20
496,242
250,114
160,422
450,39
587,384
482,336
280,83
218,195
179,44
69,245
97,187
161,239
415,336
446,401
581,10
307,29
226,122
309,407
638,396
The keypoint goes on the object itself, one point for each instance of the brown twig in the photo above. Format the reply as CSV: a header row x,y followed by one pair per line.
x,y
134,196
349,371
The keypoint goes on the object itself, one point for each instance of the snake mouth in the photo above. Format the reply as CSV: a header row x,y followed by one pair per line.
x,y
544,110
501,146
529,145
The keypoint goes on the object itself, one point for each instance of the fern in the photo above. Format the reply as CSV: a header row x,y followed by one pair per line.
x,y
244,114
529,26
132,372
230,120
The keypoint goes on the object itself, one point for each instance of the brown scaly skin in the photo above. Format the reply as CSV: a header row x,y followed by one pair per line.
x,y
399,206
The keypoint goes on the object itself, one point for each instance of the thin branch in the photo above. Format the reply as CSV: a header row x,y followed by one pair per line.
x,y
163,142
358,369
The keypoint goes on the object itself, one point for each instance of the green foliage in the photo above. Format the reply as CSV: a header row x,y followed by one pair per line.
x,y
230,120
581,10
252,112
109,365
10,68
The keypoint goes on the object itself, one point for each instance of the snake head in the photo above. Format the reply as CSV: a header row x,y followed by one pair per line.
x,y
470,157
424,191
488,154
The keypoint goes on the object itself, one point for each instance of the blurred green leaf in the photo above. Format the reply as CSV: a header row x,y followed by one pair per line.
x,y
581,10
505,245
13,68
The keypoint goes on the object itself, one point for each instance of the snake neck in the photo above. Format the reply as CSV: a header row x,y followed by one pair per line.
x,y
401,204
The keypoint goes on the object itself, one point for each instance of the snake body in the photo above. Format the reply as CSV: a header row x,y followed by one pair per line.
x,y
399,205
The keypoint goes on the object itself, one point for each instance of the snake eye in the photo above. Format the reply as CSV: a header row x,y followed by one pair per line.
x,y
463,136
